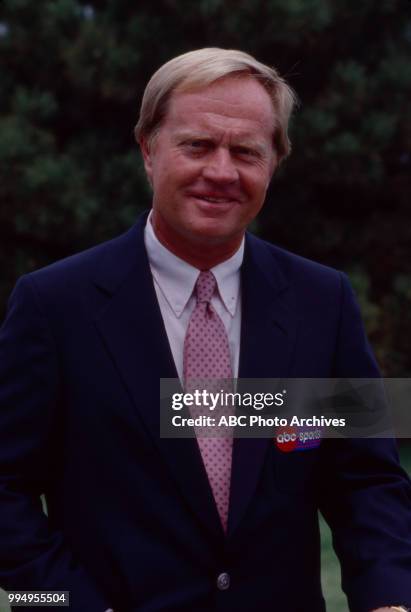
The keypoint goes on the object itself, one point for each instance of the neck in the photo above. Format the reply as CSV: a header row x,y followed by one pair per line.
x,y
202,255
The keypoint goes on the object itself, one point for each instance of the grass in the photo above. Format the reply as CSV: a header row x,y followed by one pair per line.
x,y
335,598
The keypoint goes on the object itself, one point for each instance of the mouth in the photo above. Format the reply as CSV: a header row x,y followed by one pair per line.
x,y
214,200
215,203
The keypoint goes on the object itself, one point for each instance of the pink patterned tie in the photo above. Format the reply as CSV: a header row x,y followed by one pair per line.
x,y
207,356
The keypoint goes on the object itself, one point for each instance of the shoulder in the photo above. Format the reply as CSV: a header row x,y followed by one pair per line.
x,y
85,263
300,272
69,281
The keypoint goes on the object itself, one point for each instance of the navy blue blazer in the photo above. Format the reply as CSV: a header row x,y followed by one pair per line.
x,y
132,523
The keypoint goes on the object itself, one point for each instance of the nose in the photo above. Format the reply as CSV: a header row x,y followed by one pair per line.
x,y
220,167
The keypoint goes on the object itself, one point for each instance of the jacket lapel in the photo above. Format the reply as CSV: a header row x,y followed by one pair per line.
x,y
133,332
268,333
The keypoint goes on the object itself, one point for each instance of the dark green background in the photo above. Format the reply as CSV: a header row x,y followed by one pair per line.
x,y
71,79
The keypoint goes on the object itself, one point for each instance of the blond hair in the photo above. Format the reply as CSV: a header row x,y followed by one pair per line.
x,y
197,69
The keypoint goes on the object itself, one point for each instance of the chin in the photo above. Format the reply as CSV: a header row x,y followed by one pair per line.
x,y
210,224
213,235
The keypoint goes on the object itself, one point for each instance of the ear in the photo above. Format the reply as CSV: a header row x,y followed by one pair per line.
x,y
146,151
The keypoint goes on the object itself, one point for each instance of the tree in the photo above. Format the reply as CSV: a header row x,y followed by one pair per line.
x,y
71,78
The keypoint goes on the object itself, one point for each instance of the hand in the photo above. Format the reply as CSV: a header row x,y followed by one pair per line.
x,y
382,610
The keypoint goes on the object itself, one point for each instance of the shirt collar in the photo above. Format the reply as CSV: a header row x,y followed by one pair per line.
x,y
176,278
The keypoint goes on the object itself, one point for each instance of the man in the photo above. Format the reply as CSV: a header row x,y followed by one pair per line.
x,y
142,523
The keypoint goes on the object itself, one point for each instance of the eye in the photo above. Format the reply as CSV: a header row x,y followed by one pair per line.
x,y
198,144
244,152
195,145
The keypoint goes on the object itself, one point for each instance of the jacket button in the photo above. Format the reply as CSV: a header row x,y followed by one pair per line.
x,y
223,581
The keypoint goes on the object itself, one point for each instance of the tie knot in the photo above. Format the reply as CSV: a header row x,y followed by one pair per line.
x,y
205,286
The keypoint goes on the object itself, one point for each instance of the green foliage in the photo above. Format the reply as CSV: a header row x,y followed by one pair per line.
x,y
371,312
71,79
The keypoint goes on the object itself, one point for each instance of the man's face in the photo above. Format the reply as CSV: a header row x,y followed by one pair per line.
x,y
211,162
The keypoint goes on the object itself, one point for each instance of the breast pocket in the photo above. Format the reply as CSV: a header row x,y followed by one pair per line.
x,y
296,471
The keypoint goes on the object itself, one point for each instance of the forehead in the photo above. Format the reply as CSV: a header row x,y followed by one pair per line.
x,y
237,103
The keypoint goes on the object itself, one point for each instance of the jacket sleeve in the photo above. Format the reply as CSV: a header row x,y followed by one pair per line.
x,y
366,496
33,556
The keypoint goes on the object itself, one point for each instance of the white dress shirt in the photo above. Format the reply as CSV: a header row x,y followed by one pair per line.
x,y
174,281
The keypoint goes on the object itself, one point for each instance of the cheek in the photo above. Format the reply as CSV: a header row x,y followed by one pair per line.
x,y
257,184
178,174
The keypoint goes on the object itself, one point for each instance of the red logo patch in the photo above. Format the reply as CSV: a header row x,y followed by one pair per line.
x,y
286,439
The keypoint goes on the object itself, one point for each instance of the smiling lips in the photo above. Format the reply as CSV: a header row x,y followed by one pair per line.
x,y
215,199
